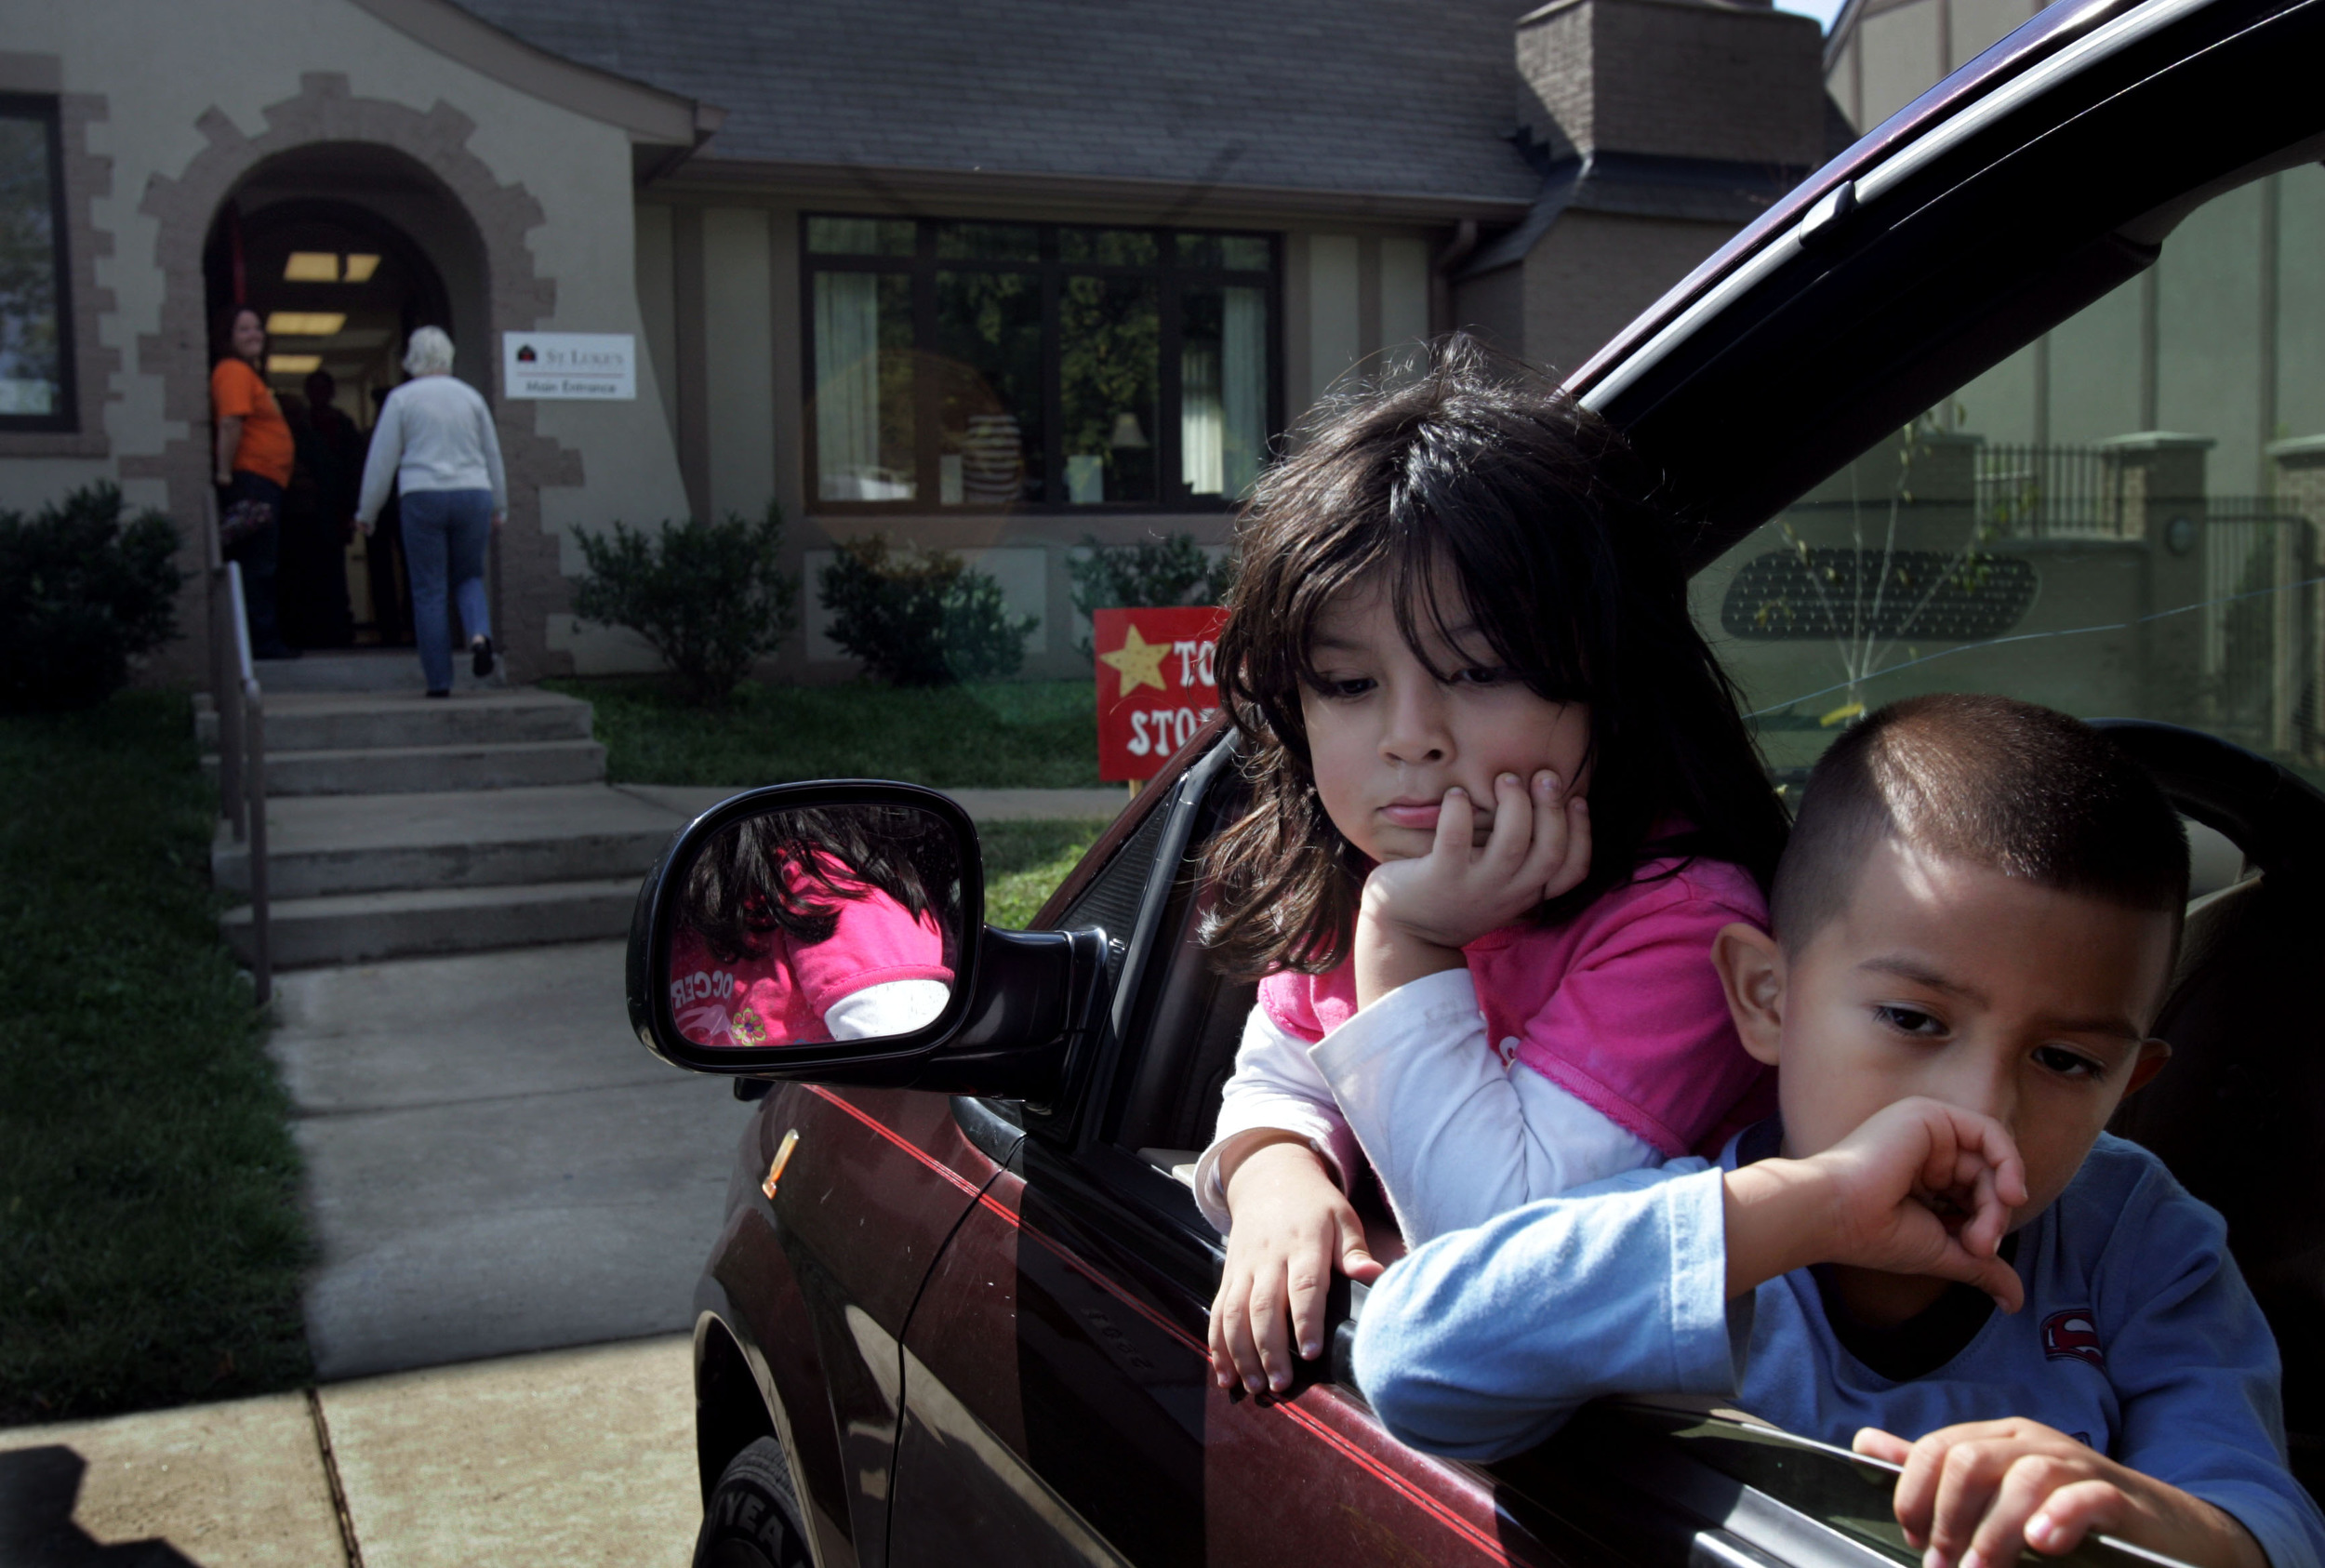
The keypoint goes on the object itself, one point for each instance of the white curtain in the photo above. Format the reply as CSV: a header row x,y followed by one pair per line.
x,y
1198,419
1243,390
847,386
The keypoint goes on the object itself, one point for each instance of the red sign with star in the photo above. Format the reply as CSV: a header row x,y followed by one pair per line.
x,y
1156,683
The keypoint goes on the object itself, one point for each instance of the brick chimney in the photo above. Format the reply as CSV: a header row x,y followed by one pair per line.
x,y
1742,83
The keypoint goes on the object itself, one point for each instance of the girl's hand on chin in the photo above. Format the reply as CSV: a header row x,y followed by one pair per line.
x,y
1537,848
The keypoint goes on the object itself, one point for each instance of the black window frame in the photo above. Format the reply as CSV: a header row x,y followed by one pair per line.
x,y
923,265
66,418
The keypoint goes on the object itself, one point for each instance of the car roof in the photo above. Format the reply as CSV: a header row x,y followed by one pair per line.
x,y
2038,177
2008,58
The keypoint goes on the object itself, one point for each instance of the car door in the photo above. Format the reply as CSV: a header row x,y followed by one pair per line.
x,y
1058,1401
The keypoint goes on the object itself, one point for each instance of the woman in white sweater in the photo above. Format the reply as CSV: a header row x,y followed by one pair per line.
x,y
435,438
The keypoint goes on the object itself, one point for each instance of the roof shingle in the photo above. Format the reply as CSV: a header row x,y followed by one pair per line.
x,y
1373,97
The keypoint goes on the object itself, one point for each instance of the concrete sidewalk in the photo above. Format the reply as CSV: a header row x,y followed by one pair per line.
x,y
574,1457
493,1163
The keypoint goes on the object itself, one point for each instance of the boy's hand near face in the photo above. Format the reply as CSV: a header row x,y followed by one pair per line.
x,y
1971,1494
1293,1228
1921,1187
1416,915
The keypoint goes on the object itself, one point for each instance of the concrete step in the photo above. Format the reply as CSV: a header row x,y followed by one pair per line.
x,y
365,669
349,721
319,845
362,928
406,769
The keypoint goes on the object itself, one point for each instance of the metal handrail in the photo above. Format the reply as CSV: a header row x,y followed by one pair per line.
x,y
241,752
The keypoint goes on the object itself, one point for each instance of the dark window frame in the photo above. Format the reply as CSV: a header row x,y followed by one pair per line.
x,y
66,419
923,265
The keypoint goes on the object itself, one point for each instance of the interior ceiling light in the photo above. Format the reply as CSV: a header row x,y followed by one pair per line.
x,y
293,364
314,266
304,324
360,267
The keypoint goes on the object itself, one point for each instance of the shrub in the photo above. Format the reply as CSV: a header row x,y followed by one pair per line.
x,y
82,594
710,597
920,618
1157,572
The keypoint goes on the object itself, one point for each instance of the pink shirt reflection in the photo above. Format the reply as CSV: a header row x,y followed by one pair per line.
x,y
782,995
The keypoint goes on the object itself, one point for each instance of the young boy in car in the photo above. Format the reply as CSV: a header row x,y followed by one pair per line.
x,y
1974,922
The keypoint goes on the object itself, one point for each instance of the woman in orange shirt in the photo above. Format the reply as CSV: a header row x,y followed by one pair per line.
x,y
255,456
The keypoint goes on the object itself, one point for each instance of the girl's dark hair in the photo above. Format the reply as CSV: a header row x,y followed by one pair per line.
x,y
1567,565
789,871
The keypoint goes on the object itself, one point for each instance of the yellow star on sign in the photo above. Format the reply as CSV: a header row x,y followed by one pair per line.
x,y
1140,662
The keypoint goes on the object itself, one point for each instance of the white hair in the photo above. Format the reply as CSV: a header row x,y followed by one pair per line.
x,y
429,352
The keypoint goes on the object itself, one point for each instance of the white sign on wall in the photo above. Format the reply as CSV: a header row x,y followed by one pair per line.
x,y
586,364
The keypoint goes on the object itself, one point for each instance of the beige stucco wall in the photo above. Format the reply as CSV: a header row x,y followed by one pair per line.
x,y
200,81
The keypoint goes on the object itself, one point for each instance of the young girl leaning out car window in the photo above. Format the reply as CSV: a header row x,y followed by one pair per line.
x,y
1502,801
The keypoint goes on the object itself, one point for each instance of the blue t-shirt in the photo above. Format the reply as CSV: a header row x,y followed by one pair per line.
x,y
2138,1335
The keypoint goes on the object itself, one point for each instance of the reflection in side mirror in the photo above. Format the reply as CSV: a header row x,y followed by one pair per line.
x,y
817,925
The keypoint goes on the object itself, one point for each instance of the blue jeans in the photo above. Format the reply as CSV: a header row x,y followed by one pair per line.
x,y
444,533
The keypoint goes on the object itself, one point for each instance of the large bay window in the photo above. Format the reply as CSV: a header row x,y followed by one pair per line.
x,y
1037,364
35,347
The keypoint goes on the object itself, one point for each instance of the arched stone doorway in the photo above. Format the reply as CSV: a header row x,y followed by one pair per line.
x,y
412,171
342,285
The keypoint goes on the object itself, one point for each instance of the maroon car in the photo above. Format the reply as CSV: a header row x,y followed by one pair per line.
x,y
957,1312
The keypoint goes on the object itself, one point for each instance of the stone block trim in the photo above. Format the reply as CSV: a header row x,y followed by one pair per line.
x,y
529,587
88,178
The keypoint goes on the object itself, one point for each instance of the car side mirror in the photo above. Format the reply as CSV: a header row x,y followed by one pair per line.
x,y
834,931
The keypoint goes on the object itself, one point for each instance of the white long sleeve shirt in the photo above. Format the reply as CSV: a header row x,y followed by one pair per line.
x,y
435,433
1413,1086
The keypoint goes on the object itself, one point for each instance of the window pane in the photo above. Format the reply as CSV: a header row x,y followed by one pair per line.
x,y
2121,519
1223,389
988,366
1109,247
1109,338
1241,253
32,357
989,242
860,236
863,402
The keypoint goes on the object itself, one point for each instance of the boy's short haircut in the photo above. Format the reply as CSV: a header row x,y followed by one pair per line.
x,y
2023,789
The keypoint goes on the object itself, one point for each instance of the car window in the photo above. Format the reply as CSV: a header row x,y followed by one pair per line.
x,y
2120,520
1841,1491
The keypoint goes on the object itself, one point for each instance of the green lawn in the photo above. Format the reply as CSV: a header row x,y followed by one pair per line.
x,y
151,1240
1005,735
1025,861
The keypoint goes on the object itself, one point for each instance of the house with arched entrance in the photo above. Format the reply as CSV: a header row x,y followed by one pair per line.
x,y
1002,279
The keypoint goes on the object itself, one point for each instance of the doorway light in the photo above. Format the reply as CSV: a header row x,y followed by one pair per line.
x,y
311,266
360,267
304,324
293,364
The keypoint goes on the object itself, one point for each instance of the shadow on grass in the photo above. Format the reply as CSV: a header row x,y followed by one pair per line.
x,y
1001,734
151,1237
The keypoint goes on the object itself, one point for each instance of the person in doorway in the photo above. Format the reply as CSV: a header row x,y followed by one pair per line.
x,y
253,464
435,440
318,519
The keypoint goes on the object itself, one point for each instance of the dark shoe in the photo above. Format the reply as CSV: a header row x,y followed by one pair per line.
x,y
483,664
447,692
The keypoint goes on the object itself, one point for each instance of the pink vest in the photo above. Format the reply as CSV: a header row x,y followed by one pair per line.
x,y
1619,1006
779,998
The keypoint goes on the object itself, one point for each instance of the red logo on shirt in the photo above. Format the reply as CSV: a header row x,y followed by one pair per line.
x,y
2071,1335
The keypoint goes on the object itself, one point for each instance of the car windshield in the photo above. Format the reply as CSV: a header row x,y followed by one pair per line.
x,y
2119,520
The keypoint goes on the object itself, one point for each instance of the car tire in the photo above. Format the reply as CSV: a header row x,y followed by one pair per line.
x,y
753,1519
